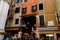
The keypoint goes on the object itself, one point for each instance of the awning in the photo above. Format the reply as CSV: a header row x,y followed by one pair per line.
x,y
12,29
48,29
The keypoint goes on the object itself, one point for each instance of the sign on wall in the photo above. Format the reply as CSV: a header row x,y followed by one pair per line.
x,y
50,23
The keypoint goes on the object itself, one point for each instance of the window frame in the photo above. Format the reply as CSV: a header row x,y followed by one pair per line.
x,y
41,3
44,20
25,9
34,10
40,35
16,21
17,9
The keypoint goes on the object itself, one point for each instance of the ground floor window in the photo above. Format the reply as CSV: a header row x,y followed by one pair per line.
x,y
46,37
58,36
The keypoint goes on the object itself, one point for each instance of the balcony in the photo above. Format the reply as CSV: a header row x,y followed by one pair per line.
x,y
12,29
47,29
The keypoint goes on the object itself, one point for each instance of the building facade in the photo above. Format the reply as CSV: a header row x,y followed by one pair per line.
x,y
21,11
13,19
36,13
47,15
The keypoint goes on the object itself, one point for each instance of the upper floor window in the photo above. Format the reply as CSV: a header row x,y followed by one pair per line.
x,y
42,23
18,1
34,8
16,21
24,10
17,10
25,0
41,6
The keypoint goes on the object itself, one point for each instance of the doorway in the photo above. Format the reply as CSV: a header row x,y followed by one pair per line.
x,y
29,22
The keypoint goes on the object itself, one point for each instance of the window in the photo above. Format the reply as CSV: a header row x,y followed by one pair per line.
x,y
17,10
41,6
16,21
34,8
49,37
46,37
42,21
58,36
18,1
24,10
25,0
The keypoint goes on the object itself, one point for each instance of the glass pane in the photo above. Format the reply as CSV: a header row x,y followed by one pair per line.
x,y
49,37
41,20
34,8
41,6
16,21
17,10
24,10
46,37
